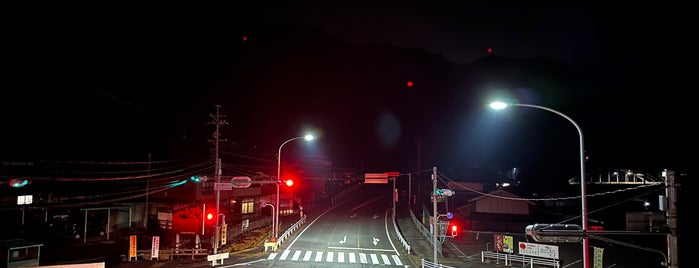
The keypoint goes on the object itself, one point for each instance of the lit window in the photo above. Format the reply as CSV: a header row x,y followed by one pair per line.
x,y
248,206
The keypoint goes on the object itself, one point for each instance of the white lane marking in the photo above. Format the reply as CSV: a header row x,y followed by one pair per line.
x,y
272,256
340,257
396,259
319,256
352,258
285,254
307,257
362,258
374,259
329,257
385,259
296,256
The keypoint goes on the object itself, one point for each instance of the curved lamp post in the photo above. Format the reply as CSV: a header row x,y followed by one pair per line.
x,y
586,261
275,226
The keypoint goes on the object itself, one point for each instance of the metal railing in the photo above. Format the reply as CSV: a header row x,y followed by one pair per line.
x,y
509,258
400,237
429,264
291,229
426,233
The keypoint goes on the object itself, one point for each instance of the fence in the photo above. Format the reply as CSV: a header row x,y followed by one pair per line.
x,y
509,258
428,264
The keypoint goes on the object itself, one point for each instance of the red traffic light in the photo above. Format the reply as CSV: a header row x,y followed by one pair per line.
x,y
289,183
210,216
453,230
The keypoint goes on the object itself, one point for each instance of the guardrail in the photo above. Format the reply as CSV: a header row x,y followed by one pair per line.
x,y
428,264
509,258
400,237
173,253
290,230
425,233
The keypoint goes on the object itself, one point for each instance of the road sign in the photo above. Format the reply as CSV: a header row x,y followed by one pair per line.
x,y
393,174
223,186
241,182
377,178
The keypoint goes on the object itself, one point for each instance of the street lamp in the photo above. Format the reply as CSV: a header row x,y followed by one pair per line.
x,y
275,226
586,261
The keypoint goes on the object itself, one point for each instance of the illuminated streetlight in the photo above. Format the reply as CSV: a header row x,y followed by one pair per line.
x,y
275,226
501,105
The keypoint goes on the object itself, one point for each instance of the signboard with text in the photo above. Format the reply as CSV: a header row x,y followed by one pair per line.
x,y
132,246
538,250
376,178
155,248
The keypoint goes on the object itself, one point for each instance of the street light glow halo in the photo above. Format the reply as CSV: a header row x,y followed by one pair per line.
x,y
498,105
309,137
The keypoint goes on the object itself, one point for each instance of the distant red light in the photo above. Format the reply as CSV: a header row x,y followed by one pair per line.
x,y
595,228
410,84
289,183
245,38
490,50
209,216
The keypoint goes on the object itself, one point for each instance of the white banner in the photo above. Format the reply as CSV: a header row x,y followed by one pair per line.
x,y
155,248
538,250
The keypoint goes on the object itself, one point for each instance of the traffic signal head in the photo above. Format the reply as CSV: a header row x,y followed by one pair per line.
x,y
445,192
17,183
453,230
289,182
196,178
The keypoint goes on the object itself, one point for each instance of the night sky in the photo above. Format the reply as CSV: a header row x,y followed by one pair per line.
x,y
115,83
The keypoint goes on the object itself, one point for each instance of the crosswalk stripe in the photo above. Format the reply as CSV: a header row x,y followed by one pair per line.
x,y
397,260
296,256
285,254
386,260
374,259
362,257
330,256
307,257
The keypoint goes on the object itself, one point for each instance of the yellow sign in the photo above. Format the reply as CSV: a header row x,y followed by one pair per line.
x,y
507,243
224,229
597,260
132,246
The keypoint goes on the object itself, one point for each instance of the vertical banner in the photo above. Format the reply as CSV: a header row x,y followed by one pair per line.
x,y
597,259
508,244
224,230
132,247
155,248
497,243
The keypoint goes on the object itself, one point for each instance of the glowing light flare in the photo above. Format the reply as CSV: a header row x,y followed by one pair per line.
x,y
409,84
289,183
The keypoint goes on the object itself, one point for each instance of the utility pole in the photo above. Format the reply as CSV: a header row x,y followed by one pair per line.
x,y
671,216
145,208
434,213
217,120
